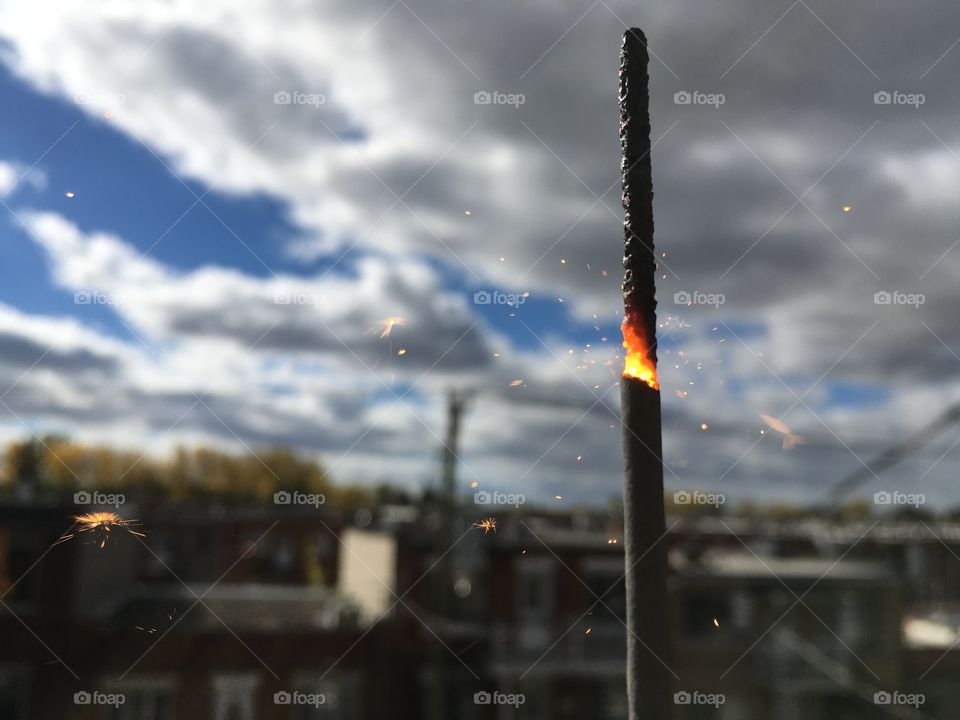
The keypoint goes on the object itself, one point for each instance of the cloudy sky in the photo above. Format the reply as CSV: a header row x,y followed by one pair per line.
x,y
209,212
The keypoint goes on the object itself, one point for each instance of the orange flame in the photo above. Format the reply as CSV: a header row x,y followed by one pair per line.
x,y
637,363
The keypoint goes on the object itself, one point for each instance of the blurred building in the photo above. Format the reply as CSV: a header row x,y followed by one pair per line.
x,y
250,613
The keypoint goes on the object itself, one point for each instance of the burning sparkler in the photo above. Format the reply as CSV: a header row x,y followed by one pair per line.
x,y
100,524
648,684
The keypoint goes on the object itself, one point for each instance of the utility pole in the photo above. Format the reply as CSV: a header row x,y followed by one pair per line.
x,y
441,701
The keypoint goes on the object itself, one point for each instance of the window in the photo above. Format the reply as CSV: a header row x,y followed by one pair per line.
x,y
534,602
342,699
145,698
14,692
233,696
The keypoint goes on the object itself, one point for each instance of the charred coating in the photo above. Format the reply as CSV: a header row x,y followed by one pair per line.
x,y
639,263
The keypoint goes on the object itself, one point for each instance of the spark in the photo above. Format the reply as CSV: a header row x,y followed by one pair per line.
x,y
402,351
847,208
515,383
389,323
790,440
100,524
587,631
467,212
68,194
612,541
703,426
716,623
558,497
486,525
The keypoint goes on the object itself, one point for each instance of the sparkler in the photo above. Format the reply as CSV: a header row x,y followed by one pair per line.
x,y
100,524
648,684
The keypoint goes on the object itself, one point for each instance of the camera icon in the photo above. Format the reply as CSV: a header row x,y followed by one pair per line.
x,y
82,298
282,98
682,98
282,497
82,498
482,297
481,498
682,498
882,97
682,698
682,298
882,297
482,98
882,498
882,697
82,698
282,698
482,698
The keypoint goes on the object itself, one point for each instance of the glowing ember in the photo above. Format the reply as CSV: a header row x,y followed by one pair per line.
x,y
100,524
486,525
716,623
847,208
637,364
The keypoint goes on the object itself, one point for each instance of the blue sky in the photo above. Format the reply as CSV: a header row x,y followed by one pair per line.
x,y
397,195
